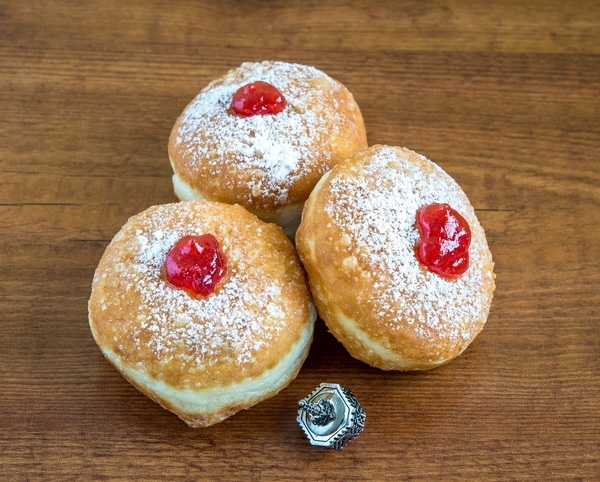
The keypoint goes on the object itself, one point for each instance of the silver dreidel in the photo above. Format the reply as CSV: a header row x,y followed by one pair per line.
x,y
331,416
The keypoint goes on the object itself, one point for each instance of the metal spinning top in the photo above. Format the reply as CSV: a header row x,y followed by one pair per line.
x,y
331,416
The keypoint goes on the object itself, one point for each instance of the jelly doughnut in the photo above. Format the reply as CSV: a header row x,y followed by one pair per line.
x,y
262,136
202,307
397,261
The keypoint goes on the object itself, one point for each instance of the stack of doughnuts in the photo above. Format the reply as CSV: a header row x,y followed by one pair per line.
x,y
205,305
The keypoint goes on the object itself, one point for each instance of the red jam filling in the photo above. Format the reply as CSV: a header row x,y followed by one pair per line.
x,y
445,239
257,98
196,264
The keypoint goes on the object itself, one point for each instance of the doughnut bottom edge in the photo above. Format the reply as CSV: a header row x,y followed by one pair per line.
x,y
362,347
205,407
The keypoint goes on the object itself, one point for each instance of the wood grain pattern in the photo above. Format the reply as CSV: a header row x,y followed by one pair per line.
x,y
505,96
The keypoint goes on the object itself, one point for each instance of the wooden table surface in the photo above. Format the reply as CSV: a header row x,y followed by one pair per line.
x,y
505,96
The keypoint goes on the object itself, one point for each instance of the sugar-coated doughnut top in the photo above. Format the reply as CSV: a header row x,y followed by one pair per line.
x,y
248,324
265,161
367,207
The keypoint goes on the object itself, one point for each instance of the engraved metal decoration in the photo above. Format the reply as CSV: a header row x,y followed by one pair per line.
x,y
331,416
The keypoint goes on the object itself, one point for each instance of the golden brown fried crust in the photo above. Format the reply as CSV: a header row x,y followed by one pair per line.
x,y
383,317
259,311
213,151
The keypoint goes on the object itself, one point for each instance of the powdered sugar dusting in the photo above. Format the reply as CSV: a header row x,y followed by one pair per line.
x,y
221,327
376,207
274,150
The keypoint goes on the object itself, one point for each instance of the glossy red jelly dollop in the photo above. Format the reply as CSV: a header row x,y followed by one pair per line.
x,y
196,264
445,239
257,98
